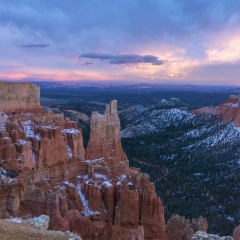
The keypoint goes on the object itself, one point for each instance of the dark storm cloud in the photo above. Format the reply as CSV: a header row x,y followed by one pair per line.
x,y
124,24
35,46
124,59
184,29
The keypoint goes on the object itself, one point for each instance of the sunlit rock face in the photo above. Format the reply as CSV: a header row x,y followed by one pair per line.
x,y
45,170
229,110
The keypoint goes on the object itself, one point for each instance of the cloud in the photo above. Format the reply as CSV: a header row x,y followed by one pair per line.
x,y
87,63
199,32
124,59
35,46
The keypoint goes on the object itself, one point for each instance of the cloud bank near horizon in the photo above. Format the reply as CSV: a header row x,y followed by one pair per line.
x,y
124,59
43,40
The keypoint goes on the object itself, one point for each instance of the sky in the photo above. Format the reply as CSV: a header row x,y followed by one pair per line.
x,y
151,41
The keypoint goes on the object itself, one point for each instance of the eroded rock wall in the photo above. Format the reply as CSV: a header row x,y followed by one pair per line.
x,y
19,97
105,140
229,110
45,170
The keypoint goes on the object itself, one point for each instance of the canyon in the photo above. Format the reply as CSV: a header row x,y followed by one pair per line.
x,y
91,192
46,170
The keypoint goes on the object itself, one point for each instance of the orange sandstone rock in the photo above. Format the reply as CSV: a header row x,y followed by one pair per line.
x,y
19,97
229,110
105,140
97,198
179,228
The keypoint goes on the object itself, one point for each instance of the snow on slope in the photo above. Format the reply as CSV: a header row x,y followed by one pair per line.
x,y
141,120
204,130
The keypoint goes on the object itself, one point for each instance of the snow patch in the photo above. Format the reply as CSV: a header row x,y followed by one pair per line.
x,y
69,152
87,210
68,183
71,130
40,222
15,220
98,175
107,184
205,236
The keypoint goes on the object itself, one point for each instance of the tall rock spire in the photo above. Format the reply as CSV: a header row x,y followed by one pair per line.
x,y
105,141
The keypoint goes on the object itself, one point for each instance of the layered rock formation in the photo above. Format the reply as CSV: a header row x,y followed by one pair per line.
x,y
45,170
19,97
105,140
229,110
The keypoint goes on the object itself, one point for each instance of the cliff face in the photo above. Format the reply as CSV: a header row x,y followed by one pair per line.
x,y
19,97
229,110
45,170
105,140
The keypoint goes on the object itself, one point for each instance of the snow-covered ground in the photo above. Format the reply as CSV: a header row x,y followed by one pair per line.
x,y
142,120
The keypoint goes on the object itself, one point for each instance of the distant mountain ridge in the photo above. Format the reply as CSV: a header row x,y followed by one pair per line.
x,y
146,119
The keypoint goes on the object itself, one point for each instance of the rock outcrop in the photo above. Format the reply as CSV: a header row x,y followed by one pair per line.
x,y
45,170
182,229
105,140
229,110
200,224
74,115
179,228
19,97
236,233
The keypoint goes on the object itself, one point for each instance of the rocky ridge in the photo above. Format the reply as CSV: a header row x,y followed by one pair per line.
x,y
228,110
148,119
45,170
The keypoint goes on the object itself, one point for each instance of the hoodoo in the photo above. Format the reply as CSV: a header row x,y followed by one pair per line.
x,y
105,140
45,170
